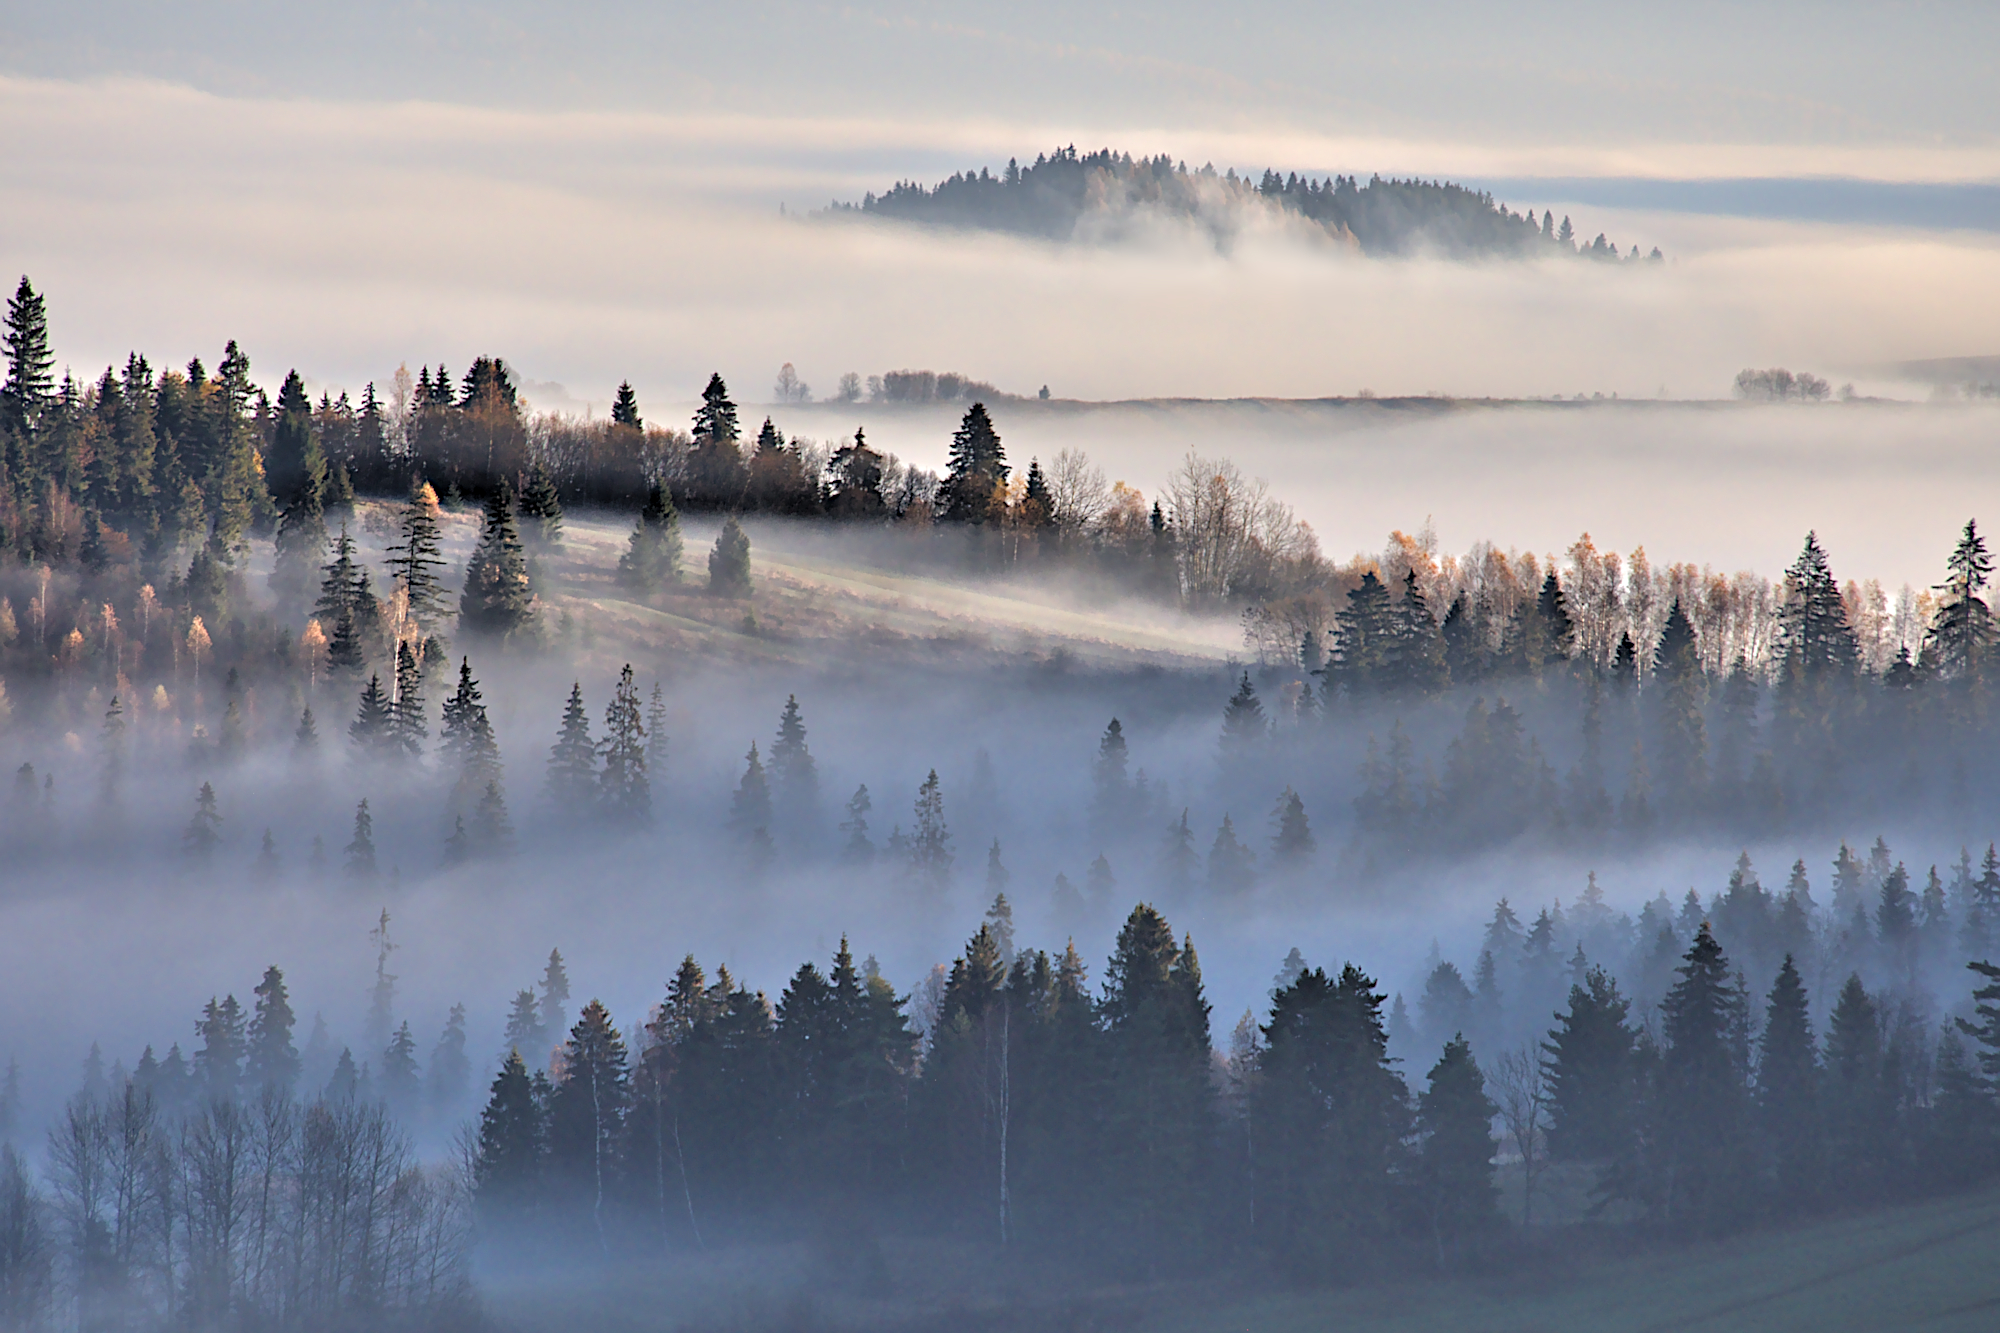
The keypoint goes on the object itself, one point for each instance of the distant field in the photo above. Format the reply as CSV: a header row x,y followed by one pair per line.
x,y
1931,1267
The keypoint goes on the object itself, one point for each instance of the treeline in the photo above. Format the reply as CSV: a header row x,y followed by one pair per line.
x,y
1051,195
215,1193
1021,1105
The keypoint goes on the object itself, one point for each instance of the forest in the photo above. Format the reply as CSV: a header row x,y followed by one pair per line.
x,y
1060,194
360,654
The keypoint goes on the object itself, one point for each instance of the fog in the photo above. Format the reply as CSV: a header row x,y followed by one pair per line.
x,y
593,247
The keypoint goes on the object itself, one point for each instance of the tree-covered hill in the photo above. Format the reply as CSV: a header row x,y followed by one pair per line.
x,y
1050,197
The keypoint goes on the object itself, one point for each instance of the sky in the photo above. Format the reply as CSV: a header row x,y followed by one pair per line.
x,y
614,191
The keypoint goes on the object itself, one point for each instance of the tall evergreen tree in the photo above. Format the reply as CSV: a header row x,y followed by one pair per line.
x,y
409,724
729,561
625,407
930,840
1961,630
360,849
1231,865
750,807
272,1060
652,557
627,795
794,776
541,510
416,558
1454,1169
1698,1124
1588,1062
572,775
373,730
587,1111
507,1169
1244,726
204,830
976,469
1292,841
498,598
466,741
1787,1090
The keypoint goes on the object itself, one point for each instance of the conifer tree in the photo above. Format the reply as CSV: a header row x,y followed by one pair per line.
x,y
1455,1157
373,730
750,807
729,562
856,849
541,509
626,794
1698,1124
360,849
1178,859
572,775
492,830
1231,865
301,540
524,1025
465,738
218,1064
977,467
272,1061
498,598
1588,1061
1292,842
652,557
555,994
506,1172
1787,1089
409,724
401,1081
794,775
1859,1108
1961,631
1111,785
1417,648
267,868
415,560
457,847
930,840
1244,725
204,830
625,406
656,733
305,740
450,1071
1815,640
587,1111
29,389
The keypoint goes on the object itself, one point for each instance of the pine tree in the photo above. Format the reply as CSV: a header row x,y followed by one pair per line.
x,y
466,741
401,1081
450,1072
652,557
856,849
506,1172
218,1065
555,994
930,839
715,460
492,831
373,730
1292,841
1961,630
626,794
794,775
415,560
977,467
1588,1062
587,1111
1417,649
305,740
273,1062
29,390
1178,858
524,1025
1859,1108
408,718
1699,1120
572,775
267,869
1455,1157
625,406
301,540
750,807
1814,639
360,849
1244,725
1787,1089
729,562
541,508
498,598
204,830
1231,865
1111,785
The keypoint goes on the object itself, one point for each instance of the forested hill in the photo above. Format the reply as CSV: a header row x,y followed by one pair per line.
x,y
1050,197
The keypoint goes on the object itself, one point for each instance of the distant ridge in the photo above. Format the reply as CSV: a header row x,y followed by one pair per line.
x,y
1059,191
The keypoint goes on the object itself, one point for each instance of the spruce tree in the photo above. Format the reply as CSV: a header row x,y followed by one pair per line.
x,y
1292,841
1961,631
1787,1090
524,1025
1699,1123
626,795
466,741
272,1061
360,849
300,543
572,773
555,994
729,562
416,558
1815,641
506,1172
1111,785
750,806
450,1071
1588,1062
498,598
1860,1103
652,557
541,509
976,469
1178,859
401,1081
1417,649
409,723
930,840
625,407
1244,726
856,849
373,730
492,832
1231,865
794,775
1454,1170
204,830
587,1111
